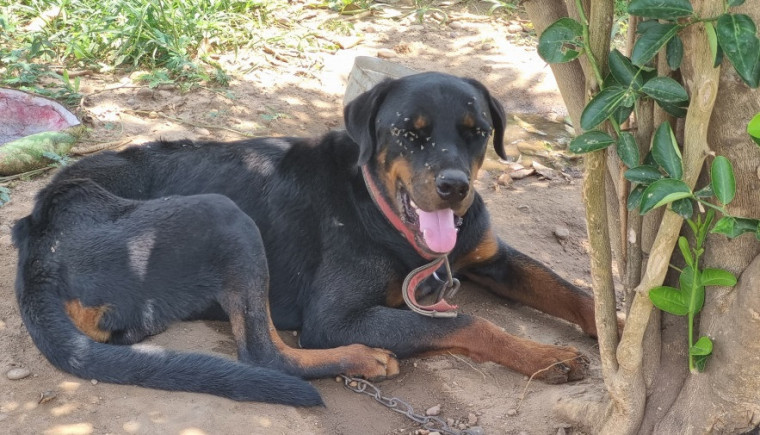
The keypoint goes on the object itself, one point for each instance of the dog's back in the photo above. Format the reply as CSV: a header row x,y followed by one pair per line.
x,y
74,248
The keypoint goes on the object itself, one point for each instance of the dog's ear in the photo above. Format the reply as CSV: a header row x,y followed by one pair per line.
x,y
359,116
498,118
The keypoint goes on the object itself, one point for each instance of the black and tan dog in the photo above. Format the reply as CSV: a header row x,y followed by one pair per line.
x,y
315,235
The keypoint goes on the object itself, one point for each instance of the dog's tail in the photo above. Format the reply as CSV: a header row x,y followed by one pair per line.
x,y
70,350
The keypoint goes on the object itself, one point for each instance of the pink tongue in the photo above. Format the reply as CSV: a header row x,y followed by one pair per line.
x,y
438,229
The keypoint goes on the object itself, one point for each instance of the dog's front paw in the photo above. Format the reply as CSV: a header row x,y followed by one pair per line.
x,y
370,363
562,364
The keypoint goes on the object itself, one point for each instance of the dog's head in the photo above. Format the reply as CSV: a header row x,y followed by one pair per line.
x,y
422,140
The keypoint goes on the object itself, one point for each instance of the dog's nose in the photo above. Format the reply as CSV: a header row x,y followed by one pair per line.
x,y
452,184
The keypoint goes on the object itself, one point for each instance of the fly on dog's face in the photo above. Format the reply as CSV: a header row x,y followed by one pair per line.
x,y
429,150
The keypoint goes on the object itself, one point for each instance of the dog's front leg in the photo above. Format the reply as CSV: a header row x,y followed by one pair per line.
x,y
513,275
409,334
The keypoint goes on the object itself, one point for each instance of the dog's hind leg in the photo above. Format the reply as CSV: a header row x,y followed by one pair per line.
x,y
244,297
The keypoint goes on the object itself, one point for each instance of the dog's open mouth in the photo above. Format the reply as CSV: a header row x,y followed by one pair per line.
x,y
435,231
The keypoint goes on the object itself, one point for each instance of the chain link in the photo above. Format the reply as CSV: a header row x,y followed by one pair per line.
x,y
429,422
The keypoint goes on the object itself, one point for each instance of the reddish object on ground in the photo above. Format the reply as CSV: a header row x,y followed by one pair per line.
x,y
22,114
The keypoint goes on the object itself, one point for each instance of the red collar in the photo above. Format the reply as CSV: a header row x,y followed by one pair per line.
x,y
391,215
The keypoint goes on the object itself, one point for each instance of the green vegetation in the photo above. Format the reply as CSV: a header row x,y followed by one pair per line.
x,y
658,179
177,41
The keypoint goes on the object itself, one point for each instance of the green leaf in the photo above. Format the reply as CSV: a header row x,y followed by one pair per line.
x,y
669,299
665,89
624,72
649,43
644,174
627,149
717,277
702,347
753,128
678,110
674,52
733,227
712,40
591,141
561,42
686,279
665,151
664,10
732,3
601,106
683,245
683,207
623,112
634,198
662,192
646,25
5,195
722,179
700,361
705,192
737,37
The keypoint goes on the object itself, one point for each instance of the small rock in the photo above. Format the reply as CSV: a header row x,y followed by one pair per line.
x,y
145,94
521,173
504,179
132,102
202,131
18,373
514,28
472,419
453,35
369,29
486,47
526,209
94,381
153,114
434,433
462,426
433,410
456,25
450,421
561,431
338,379
512,412
562,233
386,53
47,396
476,430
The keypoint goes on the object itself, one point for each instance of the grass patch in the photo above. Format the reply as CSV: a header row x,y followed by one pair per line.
x,y
174,37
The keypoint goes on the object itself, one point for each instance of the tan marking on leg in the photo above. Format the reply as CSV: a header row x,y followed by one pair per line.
x,y
483,341
486,250
87,319
352,360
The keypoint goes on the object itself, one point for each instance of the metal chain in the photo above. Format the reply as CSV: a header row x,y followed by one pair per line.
x,y
429,422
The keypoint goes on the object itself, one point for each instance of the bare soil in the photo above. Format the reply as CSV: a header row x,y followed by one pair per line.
x,y
301,94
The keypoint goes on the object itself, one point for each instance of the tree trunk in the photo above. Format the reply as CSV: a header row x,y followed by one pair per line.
x,y
649,387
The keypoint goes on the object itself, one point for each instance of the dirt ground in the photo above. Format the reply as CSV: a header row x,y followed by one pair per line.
x,y
285,94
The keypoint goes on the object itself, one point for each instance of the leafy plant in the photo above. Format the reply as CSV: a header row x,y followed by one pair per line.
x,y
5,195
657,180
57,159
